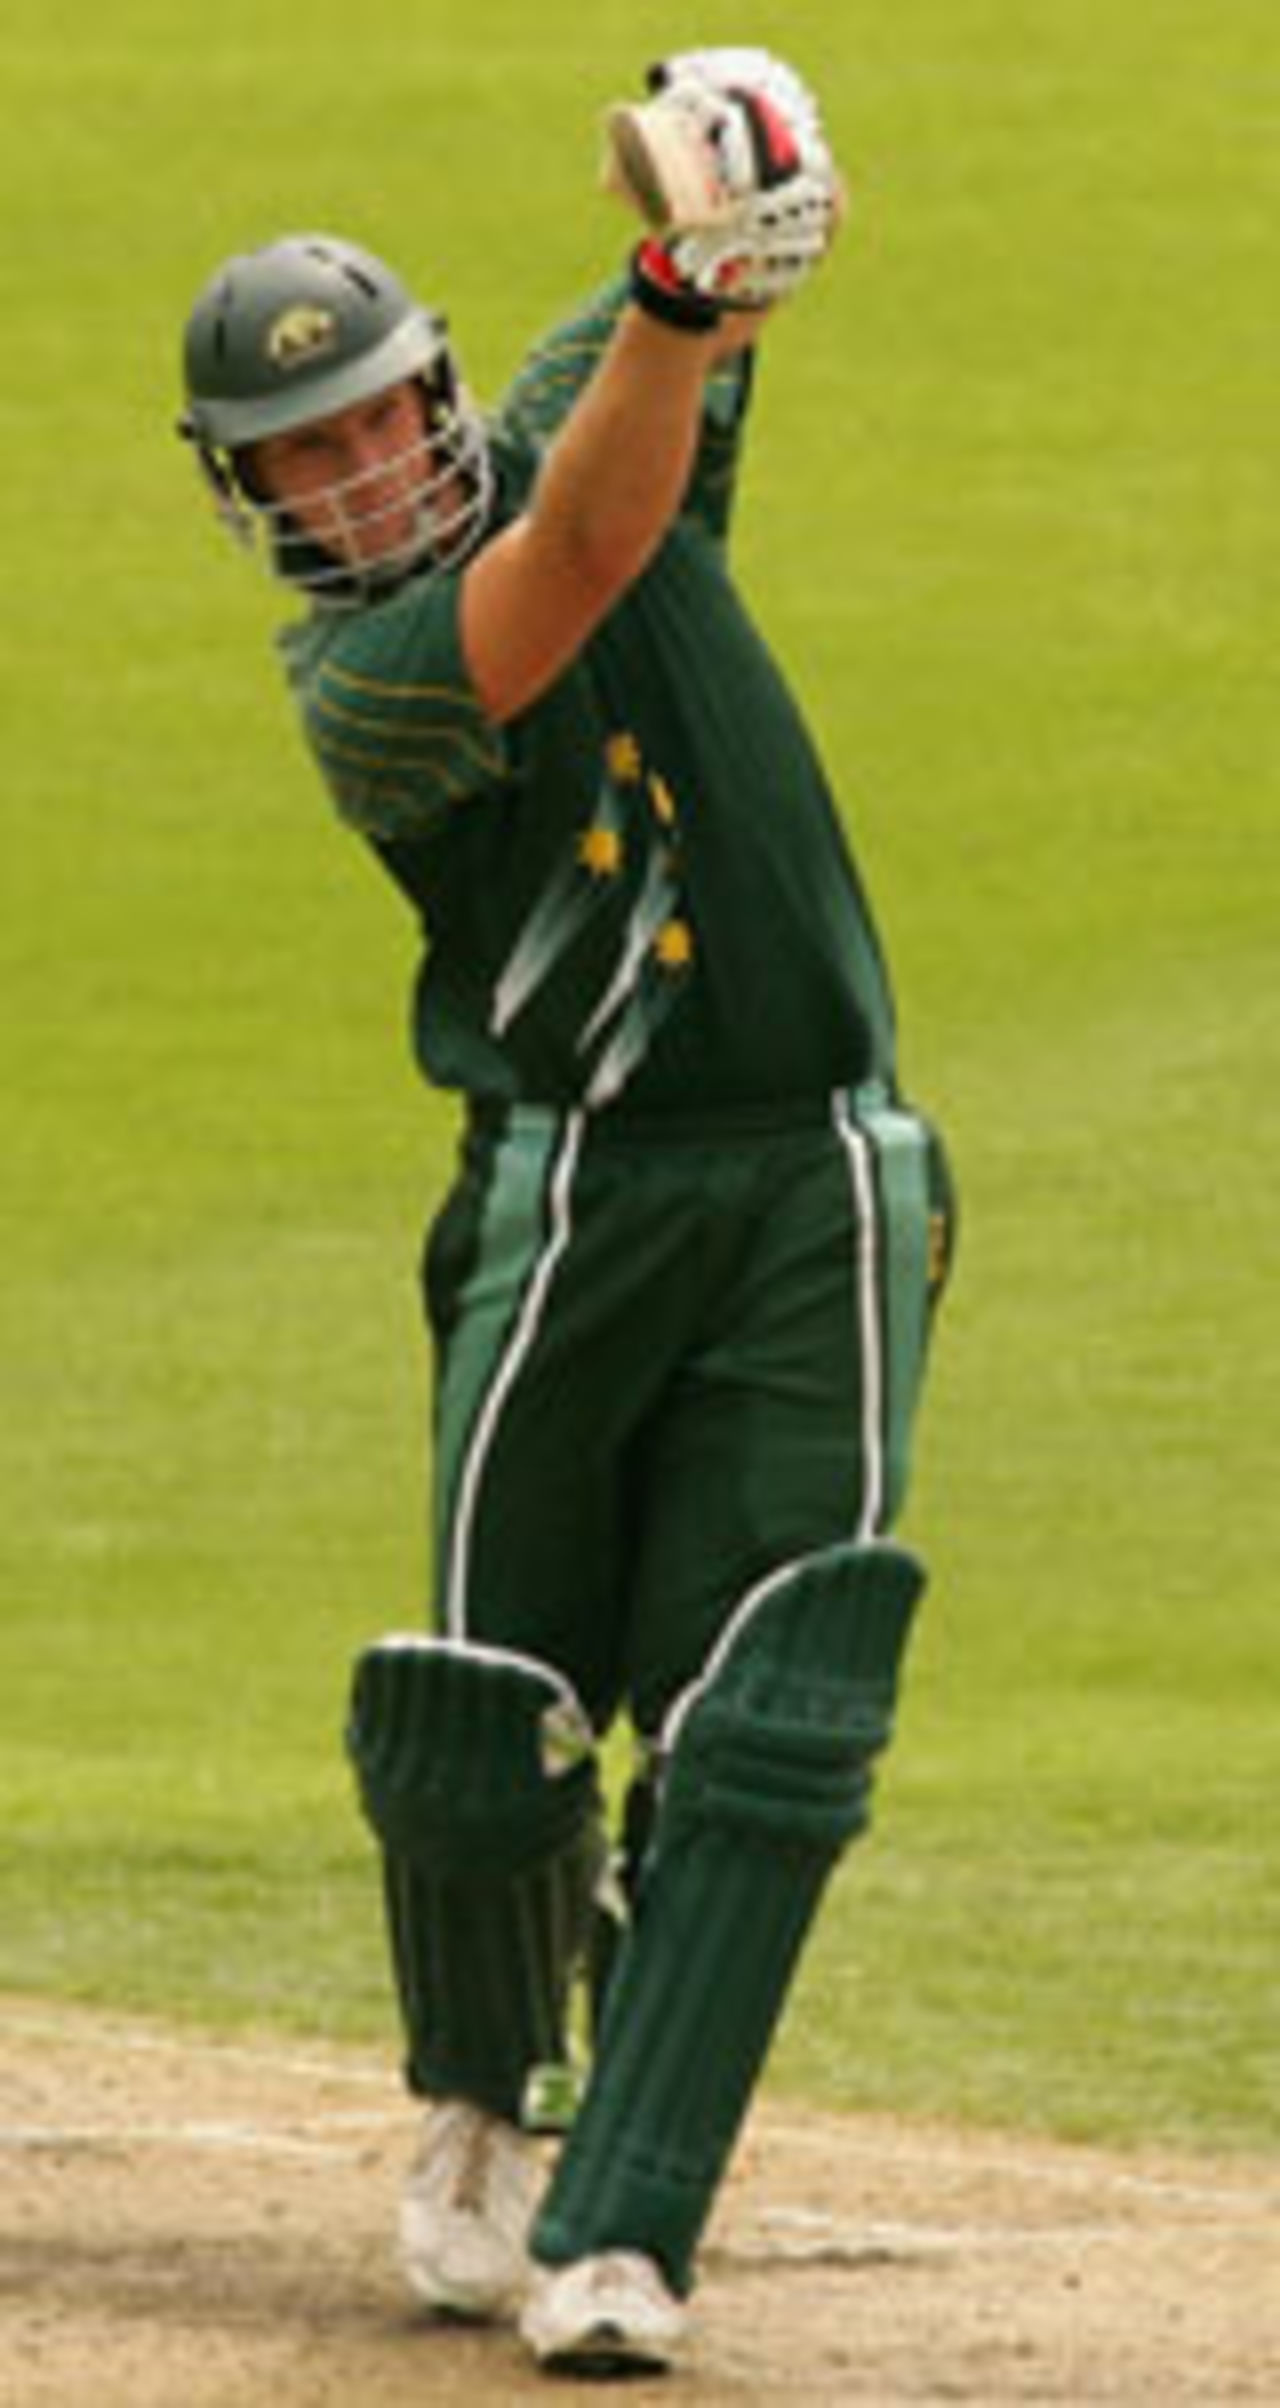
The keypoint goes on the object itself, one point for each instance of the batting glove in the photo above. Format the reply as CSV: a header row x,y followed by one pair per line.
x,y
746,205
746,70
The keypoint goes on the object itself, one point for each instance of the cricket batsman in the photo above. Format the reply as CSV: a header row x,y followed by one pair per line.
x,y
681,1289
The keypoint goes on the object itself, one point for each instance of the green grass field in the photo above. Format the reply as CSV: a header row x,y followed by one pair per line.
x,y
1013,522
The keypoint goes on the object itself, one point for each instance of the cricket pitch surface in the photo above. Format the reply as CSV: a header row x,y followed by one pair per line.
x,y
202,2223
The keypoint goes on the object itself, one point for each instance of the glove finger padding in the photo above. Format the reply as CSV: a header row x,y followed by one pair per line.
x,y
770,247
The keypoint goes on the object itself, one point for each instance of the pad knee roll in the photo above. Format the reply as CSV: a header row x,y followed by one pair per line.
x,y
780,1732
467,1759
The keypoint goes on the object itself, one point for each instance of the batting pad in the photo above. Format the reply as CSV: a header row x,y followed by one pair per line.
x,y
477,1774
769,1780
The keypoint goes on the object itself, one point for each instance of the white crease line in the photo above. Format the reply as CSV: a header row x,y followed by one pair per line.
x,y
247,2139
821,2243
931,2152
960,2159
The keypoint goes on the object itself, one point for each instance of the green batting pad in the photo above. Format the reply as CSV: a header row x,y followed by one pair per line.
x,y
467,1757
476,1773
768,1782
484,1972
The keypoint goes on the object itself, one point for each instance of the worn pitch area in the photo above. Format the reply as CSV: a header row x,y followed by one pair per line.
x,y
209,2222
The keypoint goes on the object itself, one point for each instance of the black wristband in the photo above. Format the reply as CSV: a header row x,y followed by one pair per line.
x,y
656,287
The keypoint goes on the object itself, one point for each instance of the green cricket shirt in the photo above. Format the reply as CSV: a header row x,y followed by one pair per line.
x,y
639,889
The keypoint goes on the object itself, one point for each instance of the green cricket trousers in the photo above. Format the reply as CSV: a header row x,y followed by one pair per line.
x,y
669,1359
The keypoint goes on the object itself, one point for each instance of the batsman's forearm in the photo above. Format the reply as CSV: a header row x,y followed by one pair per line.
x,y
614,479
609,487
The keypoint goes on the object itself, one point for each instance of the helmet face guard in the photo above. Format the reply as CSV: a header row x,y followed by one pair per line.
x,y
361,535
303,330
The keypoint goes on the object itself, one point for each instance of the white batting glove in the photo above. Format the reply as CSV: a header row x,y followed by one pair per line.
x,y
746,70
696,152
745,207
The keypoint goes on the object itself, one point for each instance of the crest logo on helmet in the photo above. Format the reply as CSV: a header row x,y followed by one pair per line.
x,y
301,333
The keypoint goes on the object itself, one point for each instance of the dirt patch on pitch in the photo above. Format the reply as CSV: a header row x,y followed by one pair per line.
x,y
191,2224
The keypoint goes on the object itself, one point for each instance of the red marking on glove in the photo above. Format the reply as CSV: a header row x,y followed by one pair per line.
x,y
658,265
777,151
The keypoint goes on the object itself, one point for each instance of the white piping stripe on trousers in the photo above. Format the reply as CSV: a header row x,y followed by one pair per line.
x,y
857,1146
518,1345
703,1680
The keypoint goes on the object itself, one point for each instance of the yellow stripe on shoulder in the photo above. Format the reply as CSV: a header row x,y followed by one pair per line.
x,y
387,690
403,738
573,349
447,762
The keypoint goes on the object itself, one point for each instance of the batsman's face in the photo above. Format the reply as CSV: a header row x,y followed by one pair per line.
x,y
354,482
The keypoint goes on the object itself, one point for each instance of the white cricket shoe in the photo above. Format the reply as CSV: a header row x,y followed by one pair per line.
x,y
466,2211
611,2314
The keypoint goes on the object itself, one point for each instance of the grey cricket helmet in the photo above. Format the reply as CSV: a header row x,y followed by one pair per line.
x,y
299,330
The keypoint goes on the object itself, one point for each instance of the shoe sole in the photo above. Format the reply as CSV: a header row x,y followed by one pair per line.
x,y
607,2349
607,2354
458,2305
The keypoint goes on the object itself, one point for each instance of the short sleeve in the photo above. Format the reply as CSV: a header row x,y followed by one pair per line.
x,y
714,483
391,714
546,387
